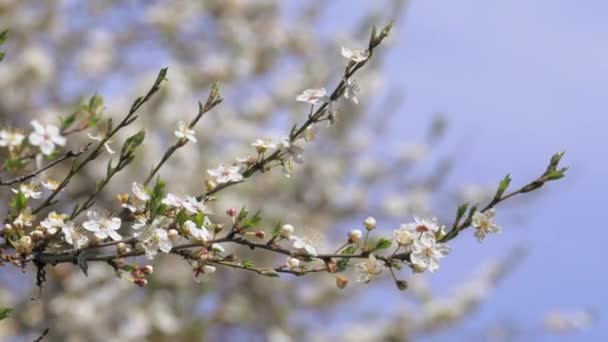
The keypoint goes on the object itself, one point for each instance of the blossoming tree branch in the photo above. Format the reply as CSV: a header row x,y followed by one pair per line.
x,y
152,220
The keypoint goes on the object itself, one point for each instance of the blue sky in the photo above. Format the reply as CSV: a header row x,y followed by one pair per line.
x,y
519,80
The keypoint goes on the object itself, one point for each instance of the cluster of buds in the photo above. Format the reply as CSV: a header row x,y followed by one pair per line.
x,y
139,275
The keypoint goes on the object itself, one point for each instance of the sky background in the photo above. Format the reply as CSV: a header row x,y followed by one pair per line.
x,y
518,81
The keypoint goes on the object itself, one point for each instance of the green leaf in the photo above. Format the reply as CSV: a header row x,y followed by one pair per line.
x,y
349,250
270,273
199,219
461,210
5,312
276,231
132,143
18,202
342,264
66,122
181,218
14,164
128,268
557,174
95,102
3,36
242,214
253,221
383,243
502,187
247,264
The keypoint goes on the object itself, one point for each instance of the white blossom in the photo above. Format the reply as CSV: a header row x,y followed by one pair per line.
x,y
140,192
208,269
217,248
25,218
140,222
427,225
313,96
484,224
10,138
30,190
185,132
291,151
368,269
46,137
426,252
53,222
355,235
106,145
301,243
194,206
172,200
225,174
370,223
50,184
356,55
73,236
286,230
406,234
102,225
351,88
157,240
261,145
293,263
197,234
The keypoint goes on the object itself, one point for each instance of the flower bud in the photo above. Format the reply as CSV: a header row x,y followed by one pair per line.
x,y
173,234
140,282
341,282
260,234
210,185
401,285
354,236
217,248
207,269
140,247
122,248
286,230
24,245
148,269
231,212
293,263
370,223
8,229
332,267
37,235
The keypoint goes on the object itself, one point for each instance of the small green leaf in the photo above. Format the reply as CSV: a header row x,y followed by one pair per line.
x,y
342,264
128,268
66,122
3,36
502,187
247,264
461,210
383,243
132,143
253,221
181,218
18,202
276,231
270,273
349,250
5,312
557,174
243,213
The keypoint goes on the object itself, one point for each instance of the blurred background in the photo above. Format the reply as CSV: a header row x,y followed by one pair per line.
x,y
463,93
